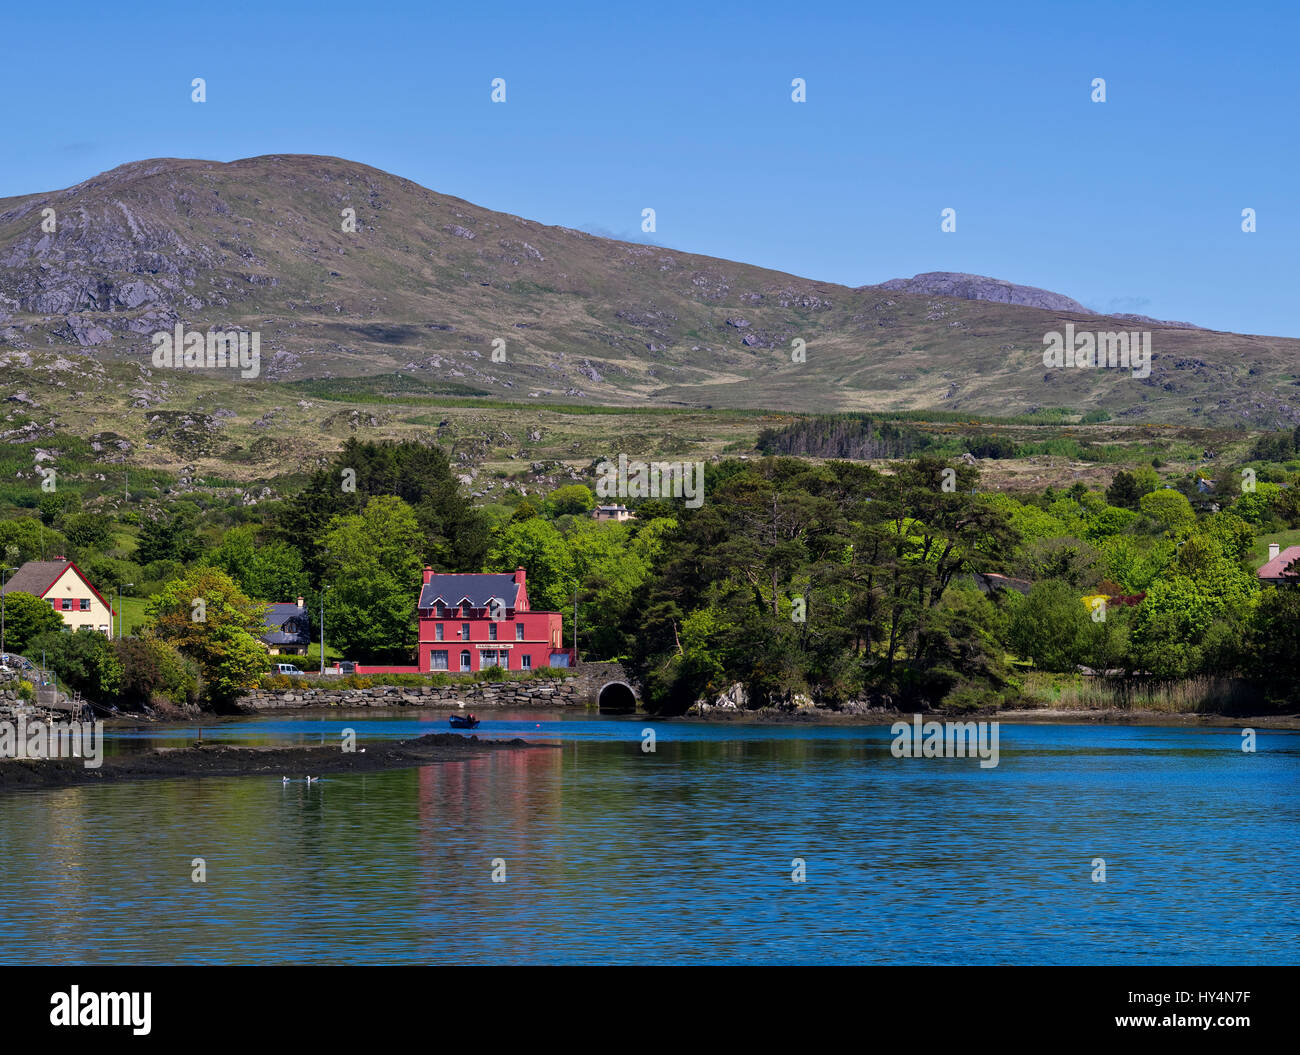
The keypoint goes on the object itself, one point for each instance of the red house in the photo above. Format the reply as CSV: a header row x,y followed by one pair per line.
x,y
469,622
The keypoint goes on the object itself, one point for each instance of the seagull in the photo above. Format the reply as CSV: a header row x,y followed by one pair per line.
x,y
312,780
284,780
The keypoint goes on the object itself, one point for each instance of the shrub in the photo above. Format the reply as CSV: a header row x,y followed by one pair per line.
x,y
153,670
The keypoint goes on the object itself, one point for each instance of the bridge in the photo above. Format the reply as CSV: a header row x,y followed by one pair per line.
x,y
607,685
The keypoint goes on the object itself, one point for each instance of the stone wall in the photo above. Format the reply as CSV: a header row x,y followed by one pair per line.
x,y
580,687
549,693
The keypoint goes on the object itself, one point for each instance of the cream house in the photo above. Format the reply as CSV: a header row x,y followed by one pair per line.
x,y
67,590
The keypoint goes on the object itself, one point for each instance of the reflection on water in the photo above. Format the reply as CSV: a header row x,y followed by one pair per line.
x,y
684,855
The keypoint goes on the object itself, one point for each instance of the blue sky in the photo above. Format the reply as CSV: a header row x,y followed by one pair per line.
x,y
1129,205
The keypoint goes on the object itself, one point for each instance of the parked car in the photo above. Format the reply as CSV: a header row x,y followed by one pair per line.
x,y
287,668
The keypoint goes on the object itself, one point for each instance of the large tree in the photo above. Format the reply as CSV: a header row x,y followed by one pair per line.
x,y
85,660
372,566
26,617
535,544
453,534
206,616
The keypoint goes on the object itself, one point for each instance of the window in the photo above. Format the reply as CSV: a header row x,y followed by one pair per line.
x,y
464,660
519,631
464,631
67,604
438,660
489,657
441,611
437,633
492,631
85,604
527,662
54,603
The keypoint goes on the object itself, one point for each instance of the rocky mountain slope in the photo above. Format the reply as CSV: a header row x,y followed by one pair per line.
x,y
430,286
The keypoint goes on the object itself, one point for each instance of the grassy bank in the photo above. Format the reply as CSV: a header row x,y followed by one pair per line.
x,y
1202,695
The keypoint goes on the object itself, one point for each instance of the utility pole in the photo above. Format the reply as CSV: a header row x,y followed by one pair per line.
x,y
322,628
575,626
119,609
3,569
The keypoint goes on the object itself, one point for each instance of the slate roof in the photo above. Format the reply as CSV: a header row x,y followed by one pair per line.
x,y
277,615
35,577
478,589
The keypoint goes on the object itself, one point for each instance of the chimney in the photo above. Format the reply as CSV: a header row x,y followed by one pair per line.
x,y
299,602
428,573
519,575
1274,550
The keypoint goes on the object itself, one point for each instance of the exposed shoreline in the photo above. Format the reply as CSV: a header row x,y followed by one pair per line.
x,y
219,760
1018,716
1044,716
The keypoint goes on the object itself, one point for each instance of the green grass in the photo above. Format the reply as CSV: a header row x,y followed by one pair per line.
x,y
131,611
1259,553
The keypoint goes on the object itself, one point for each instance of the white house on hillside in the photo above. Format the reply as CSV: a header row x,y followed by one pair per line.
x,y
69,592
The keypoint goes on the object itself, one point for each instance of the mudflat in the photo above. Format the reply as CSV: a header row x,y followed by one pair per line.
x,y
224,761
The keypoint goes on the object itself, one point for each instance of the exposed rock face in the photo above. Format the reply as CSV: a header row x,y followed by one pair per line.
x,y
979,287
432,286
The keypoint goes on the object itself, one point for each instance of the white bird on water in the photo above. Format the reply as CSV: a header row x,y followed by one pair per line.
x,y
312,780
284,780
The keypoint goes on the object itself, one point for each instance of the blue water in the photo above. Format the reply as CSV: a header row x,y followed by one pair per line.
x,y
615,855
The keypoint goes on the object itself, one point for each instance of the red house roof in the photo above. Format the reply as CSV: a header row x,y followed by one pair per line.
x,y
37,577
1274,570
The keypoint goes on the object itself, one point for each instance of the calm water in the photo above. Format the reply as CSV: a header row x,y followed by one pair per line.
x,y
684,855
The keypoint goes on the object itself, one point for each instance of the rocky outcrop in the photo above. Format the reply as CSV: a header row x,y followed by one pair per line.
x,y
980,287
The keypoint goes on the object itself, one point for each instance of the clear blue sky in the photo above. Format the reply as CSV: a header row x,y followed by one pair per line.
x,y
1129,205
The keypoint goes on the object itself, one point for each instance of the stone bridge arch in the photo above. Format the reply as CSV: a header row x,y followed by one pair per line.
x,y
606,685
616,696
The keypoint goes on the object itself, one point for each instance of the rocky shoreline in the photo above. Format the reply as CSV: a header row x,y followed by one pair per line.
x,y
271,762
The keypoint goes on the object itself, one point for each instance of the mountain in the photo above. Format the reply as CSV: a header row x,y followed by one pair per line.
x,y
980,287
427,283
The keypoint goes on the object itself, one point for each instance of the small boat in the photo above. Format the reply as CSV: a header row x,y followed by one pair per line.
x,y
459,722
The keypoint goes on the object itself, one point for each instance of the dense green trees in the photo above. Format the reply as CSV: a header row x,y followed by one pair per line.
x,y
453,533
85,660
372,565
207,617
25,618
833,580
153,672
269,570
